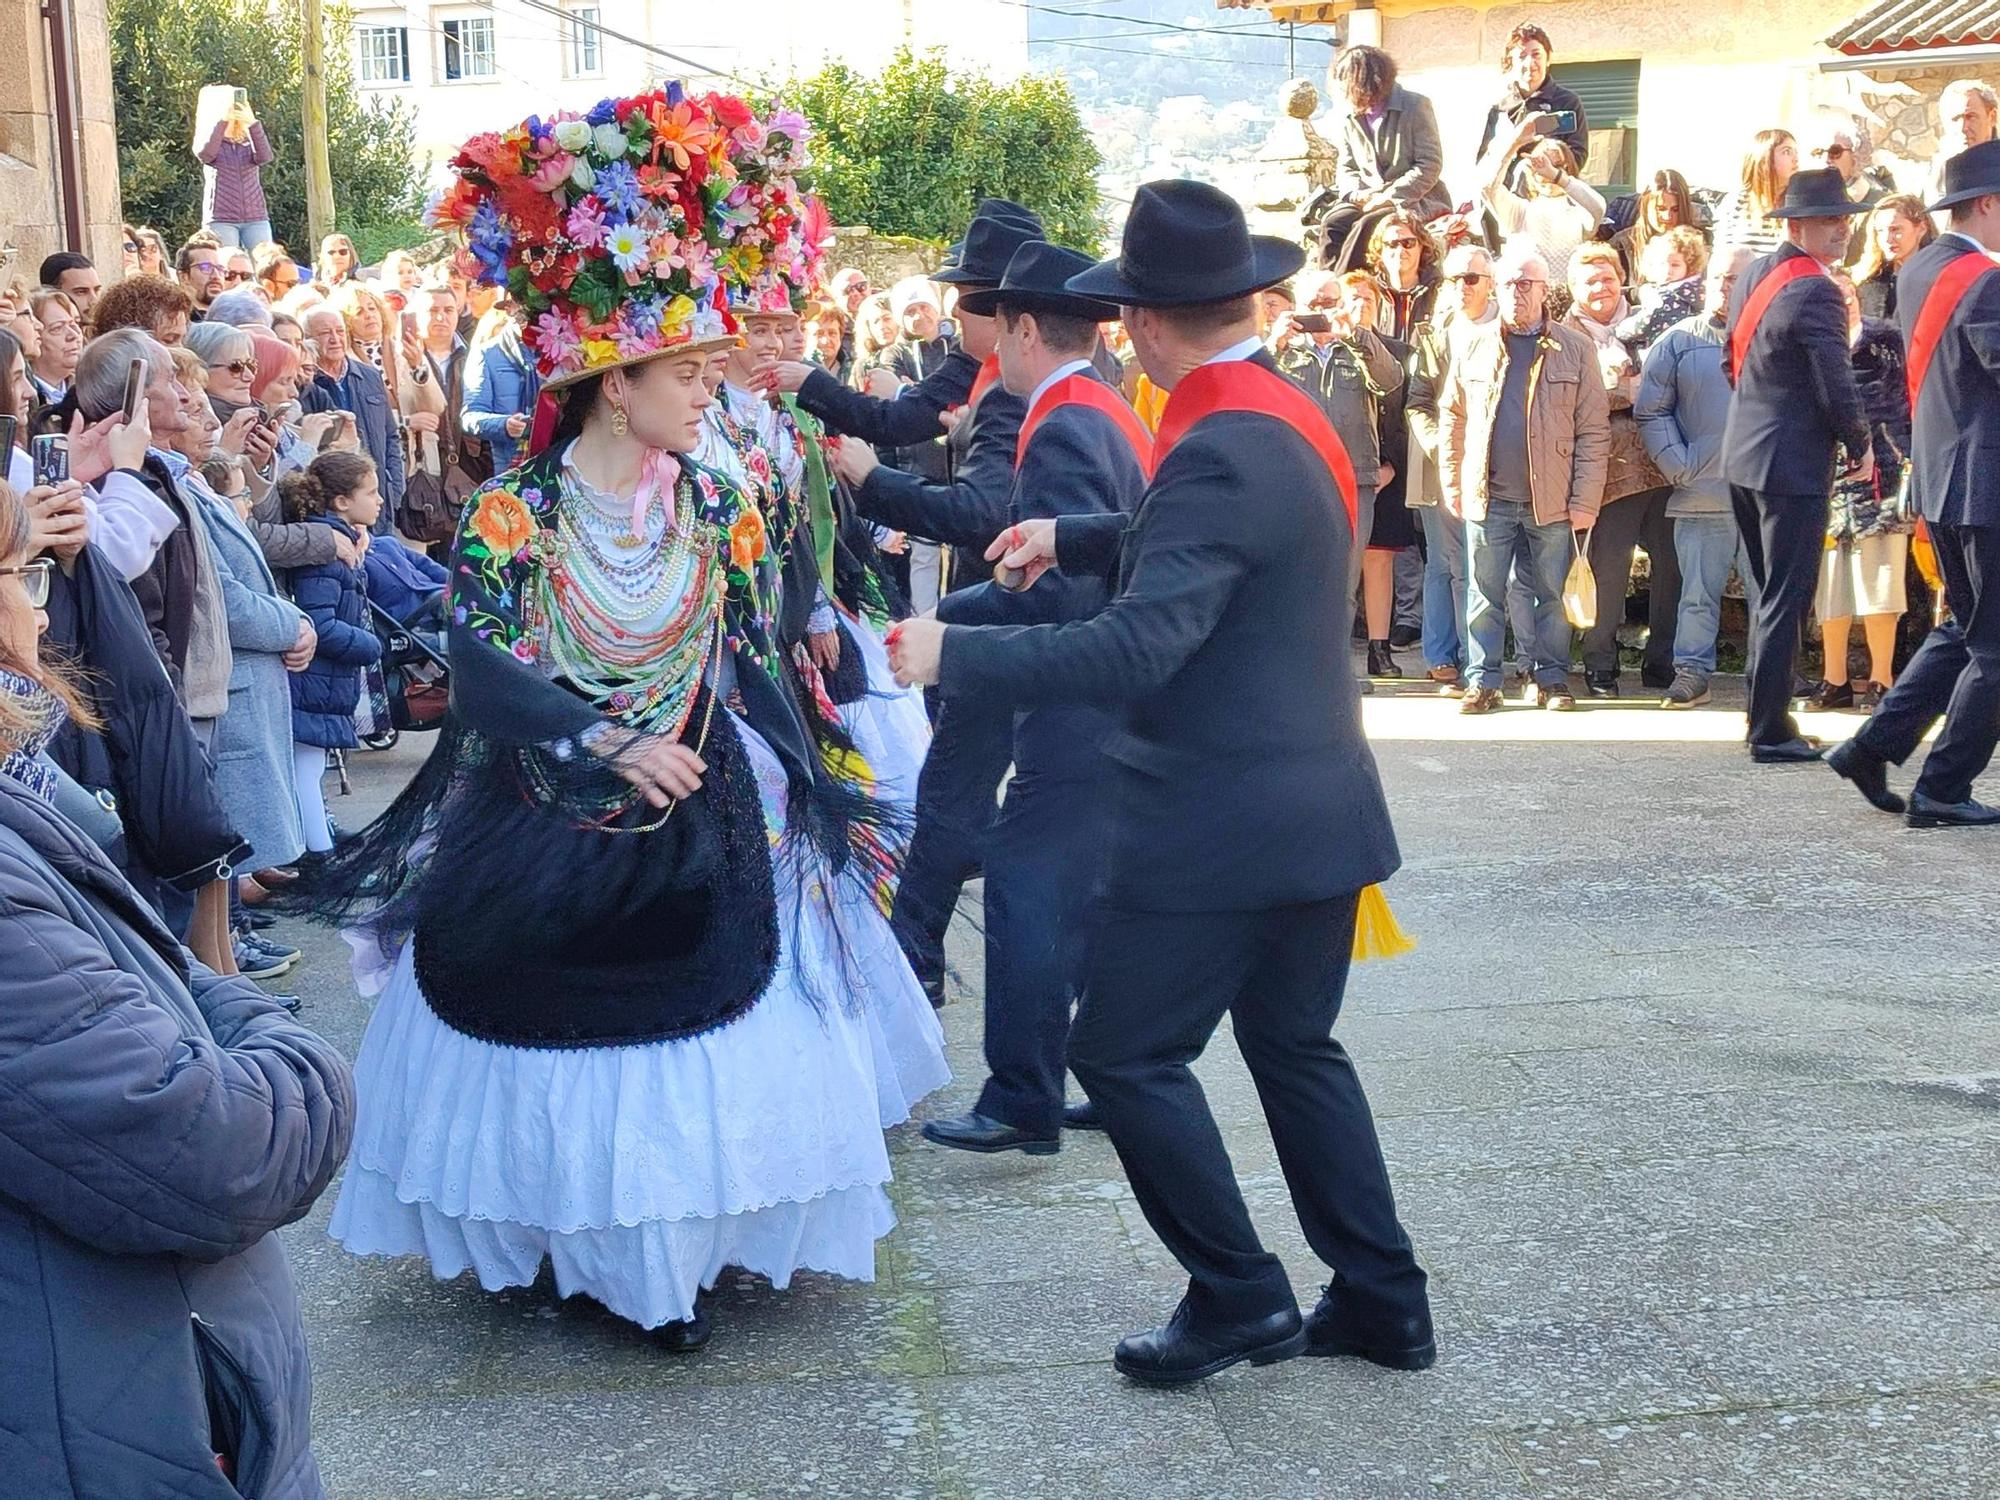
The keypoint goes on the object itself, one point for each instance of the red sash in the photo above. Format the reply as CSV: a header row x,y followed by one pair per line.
x,y
1950,288
1240,385
1787,271
987,378
1081,390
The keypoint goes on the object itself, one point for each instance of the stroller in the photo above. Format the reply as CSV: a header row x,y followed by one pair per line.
x,y
408,690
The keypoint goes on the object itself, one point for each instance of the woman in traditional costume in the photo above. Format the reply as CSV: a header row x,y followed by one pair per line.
x,y
640,1015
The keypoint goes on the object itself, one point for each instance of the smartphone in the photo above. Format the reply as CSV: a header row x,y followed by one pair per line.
x,y
409,325
50,452
326,439
242,98
1556,122
136,375
1312,323
7,426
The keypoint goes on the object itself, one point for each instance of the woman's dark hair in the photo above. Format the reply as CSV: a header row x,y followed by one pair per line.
x,y
1520,36
1365,75
312,491
1430,259
10,350
573,404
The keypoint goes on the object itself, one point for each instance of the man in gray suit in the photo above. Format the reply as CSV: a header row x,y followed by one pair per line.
x,y
1390,155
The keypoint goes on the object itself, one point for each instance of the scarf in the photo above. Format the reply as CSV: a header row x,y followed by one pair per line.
x,y
24,762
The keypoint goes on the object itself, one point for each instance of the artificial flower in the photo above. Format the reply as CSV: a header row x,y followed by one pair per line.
x,y
680,135
502,522
581,175
728,111
585,225
556,340
573,135
551,172
609,142
618,190
628,250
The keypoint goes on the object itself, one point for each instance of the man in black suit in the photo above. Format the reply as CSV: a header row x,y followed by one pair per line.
x,y
1246,814
957,791
1083,452
1795,411
1955,477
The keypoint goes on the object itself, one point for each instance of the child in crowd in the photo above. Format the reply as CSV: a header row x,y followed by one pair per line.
x,y
337,490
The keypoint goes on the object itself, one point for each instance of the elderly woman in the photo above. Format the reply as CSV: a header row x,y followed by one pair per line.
x,y
1388,156
1533,190
62,341
152,304
160,1121
372,335
337,260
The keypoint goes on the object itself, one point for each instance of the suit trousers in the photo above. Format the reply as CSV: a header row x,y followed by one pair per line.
x,y
1636,520
1042,857
1159,984
1784,535
957,798
1956,673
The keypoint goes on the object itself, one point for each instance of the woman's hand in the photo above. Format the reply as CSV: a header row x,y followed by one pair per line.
x,y
57,522
260,445
300,656
425,422
347,549
825,649
235,435
662,769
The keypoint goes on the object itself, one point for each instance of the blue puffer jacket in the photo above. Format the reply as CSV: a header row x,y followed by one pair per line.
x,y
1682,408
157,1123
499,384
325,695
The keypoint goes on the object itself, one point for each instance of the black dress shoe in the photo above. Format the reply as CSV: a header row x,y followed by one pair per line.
x,y
973,1131
1402,637
1334,1328
1868,772
1601,684
1082,1116
1786,752
1928,812
1182,1352
687,1336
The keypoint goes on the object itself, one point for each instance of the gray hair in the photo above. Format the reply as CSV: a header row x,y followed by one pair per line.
x,y
218,343
100,373
241,307
1519,257
1963,88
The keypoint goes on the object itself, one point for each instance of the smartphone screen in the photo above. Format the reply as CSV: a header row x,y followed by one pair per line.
x,y
242,98
136,376
51,455
7,426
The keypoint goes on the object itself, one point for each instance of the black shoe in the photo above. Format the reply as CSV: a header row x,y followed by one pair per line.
x,y
257,921
1870,697
1332,1328
1380,662
1928,812
1869,773
1830,695
1790,752
1658,682
1082,1116
1402,637
1180,1352
687,1336
973,1131
1601,684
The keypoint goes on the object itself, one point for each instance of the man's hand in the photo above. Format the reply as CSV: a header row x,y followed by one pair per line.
x,y
855,460
1284,328
916,649
300,656
1385,475
950,418
882,384
896,543
1030,546
789,375
413,352
109,443
516,425
57,522
1452,506
824,648
313,426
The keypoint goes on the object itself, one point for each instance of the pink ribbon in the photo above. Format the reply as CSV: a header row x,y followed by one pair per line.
x,y
657,473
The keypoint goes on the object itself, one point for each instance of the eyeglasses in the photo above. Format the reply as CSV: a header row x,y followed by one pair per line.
x,y
235,275
131,248
1832,153
1521,283
1323,304
242,367
207,266
35,577
1469,277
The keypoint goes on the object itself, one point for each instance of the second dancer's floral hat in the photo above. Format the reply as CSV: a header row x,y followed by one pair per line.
x,y
603,228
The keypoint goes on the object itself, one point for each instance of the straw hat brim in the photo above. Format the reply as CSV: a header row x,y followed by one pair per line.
x,y
569,378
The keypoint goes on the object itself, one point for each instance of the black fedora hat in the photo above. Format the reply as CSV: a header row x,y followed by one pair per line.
x,y
1973,173
1037,280
1004,208
1817,193
1186,242
990,242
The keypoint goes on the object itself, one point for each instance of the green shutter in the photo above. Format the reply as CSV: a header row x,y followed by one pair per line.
x,y
1610,95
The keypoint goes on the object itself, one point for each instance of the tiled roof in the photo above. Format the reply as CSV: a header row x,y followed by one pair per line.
x,y
1898,25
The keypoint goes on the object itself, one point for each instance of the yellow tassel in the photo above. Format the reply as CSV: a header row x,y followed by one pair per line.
x,y
1377,933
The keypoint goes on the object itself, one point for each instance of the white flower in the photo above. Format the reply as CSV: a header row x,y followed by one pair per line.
x,y
611,142
628,248
572,135
582,175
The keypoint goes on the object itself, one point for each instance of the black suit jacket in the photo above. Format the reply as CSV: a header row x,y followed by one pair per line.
x,y
909,419
1796,401
1955,433
1243,780
971,508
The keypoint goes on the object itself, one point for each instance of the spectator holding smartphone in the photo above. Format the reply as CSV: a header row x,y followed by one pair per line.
x,y
1534,193
230,144
500,387
1530,92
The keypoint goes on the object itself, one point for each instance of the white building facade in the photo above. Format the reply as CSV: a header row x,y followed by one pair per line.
x,y
468,67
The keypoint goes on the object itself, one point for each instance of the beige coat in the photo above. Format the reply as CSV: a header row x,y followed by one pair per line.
x,y
1568,425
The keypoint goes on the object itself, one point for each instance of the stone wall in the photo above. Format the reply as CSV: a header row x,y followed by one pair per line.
x,y
31,218
887,258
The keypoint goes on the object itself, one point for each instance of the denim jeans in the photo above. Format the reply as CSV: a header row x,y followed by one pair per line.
x,y
1508,537
1707,547
1444,588
247,236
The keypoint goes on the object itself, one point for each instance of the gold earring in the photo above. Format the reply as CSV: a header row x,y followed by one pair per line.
x,y
619,425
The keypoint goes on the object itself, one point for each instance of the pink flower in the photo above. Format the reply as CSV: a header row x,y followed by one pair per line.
x,y
552,172
555,337
586,224
523,648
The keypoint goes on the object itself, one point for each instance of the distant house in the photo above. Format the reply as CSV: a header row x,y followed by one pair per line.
x,y
1683,85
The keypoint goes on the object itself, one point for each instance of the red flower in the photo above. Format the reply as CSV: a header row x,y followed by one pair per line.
x,y
730,112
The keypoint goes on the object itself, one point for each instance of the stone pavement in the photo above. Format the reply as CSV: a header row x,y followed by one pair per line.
x,y
1691,1094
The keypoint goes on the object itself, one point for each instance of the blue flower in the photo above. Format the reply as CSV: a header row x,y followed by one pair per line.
x,y
643,314
490,239
618,189
606,113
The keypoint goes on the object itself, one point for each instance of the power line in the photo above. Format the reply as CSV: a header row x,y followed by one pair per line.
x,y
1105,15
702,68
1221,62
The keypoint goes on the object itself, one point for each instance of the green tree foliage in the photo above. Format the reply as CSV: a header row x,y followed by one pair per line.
x,y
164,51
911,150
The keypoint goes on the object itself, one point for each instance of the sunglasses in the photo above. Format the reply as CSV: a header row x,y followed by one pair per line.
x,y
235,275
1831,153
242,367
1399,244
1468,277
35,577
131,248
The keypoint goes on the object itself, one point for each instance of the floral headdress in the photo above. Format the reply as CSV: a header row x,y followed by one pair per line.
x,y
602,227
772,238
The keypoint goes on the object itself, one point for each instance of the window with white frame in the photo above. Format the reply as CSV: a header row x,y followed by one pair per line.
x,y
468,48
585,55
384,53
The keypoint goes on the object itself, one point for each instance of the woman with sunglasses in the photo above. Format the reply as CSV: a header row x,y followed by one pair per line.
x,y
337,260
1405,261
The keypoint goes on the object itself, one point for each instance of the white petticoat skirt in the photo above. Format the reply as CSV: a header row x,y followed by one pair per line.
x,y
889,725
641,1172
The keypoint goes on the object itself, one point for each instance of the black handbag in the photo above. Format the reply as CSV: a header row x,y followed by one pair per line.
x,y
429,509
